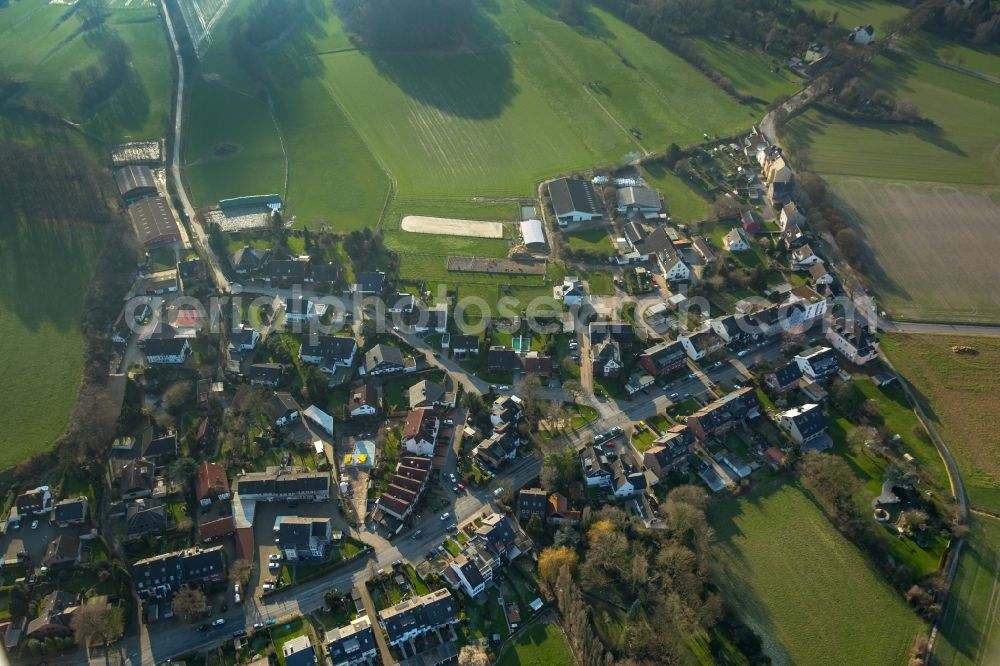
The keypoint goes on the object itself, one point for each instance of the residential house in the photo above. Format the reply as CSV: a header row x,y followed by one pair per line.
x,y
352,644
166,351
854,339
461,345
531,502
570,292
863,34
559,512
160,450
507,409
304,538
596,466
401,303
190,274
641,200
784,378
669,451
819,274
536,363
749,222
420,432
625,483
62,551
364,401
323,274
500,447
436,320
817,363
672,266
299,310
495,544
639,381
383,360
138,479
55,617
68,512
803,424
802,307
37,501
793,236
724,413
298,651
729,328
699,344
158,577
248,260
266,374
283,409
405,488
790,214
643,245
427,394
329,352
145,517
575,200
804,257
702,247
662,359
736,241
213,530
242,340
417,616
501,360
282,484
211,484
287,271
606,357
621,332
369,283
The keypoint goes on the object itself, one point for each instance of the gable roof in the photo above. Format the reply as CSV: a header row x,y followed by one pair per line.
x,y
370,281
574,195
153,221
425,393
266,372
641,197
210,479
383,354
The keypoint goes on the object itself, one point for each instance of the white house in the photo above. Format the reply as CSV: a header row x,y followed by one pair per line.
x,y
570,292
700,343
735,241
817,362
299,310
804,257
672,266
364,401
420,432
166,351
854,340
803,424
436,320
819,273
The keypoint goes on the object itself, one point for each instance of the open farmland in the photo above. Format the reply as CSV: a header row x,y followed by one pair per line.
x,y
857,12
752,72
953,166
923,269
981,59
684,202
232,147
969,633
959,394
39,318
808,592
529,98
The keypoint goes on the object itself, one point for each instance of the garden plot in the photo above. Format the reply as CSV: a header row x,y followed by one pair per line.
x,y
421,224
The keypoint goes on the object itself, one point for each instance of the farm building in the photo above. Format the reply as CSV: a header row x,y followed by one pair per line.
x,y
154,222
575,200
135,182
642,200
532,235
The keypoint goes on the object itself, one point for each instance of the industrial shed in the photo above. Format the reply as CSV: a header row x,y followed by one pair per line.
x,y
154,222
135,182
532,234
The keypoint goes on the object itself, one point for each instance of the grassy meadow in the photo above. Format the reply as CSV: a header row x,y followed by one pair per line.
x,y
752,72
39,324
857,12
981,59
529,98
798,583
958,393
685,203
541,645
968,635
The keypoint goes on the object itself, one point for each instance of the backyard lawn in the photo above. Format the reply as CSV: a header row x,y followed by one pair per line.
x,y
544,644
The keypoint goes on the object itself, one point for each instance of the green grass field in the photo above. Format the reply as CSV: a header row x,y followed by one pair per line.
x,y
39,324
752,72
857,12
684,202
530,98
982,59
969,627
221,121
542,645
809,593
591,240
958,392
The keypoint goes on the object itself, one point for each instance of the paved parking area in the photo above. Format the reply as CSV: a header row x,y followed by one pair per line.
x,y
33,541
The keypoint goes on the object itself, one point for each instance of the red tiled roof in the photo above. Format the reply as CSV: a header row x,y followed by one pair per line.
x,y
216,529
211,479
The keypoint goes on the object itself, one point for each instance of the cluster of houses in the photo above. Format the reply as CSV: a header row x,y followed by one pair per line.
x,y
258,264
491,546
502,444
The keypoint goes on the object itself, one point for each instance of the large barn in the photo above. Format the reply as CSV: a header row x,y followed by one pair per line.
x,y
135,182
575,200
154,222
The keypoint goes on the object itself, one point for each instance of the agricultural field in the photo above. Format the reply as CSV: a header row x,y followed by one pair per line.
x,y
39,317
530,98
857,12
981,59
892,180
542,645
232,147
808,592
752,72
685,203
968,633
42,43
912,262
958,393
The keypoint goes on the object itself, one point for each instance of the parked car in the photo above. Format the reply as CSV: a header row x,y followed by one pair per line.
x,y
416,534
498,492
452,528
742,352
445,516
34,524
218,622
274,557
258,625
674,396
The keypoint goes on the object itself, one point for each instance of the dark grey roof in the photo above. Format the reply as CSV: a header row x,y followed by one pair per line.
x,y
459,341
641,197
266,372
70,510
436,609
370,282
324,272
282,404
249,259
809,420
287,269
347,643
425,393
383,354
132,178
788,374
574,195
501,358
145,517
267,484
665,354
153,221
332,347
137,475
164,346
621,332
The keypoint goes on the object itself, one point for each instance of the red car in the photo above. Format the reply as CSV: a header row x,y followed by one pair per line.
x,y
461,486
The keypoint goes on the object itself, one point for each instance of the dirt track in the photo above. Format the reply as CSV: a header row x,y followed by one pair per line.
x,y
449,227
